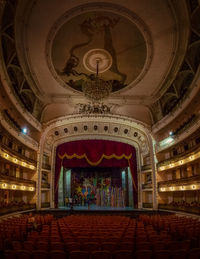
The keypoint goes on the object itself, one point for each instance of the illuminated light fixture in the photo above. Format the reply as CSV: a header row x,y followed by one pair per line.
x,y
6,155
4,185
181,162
31,167
172,188
15,160
96,88
23,187
171,133
171,165
162,168
23,163
182,187
31,188
14,186
162,189
24,130
193,186
191,157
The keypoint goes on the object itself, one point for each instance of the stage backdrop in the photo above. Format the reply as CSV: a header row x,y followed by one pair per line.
x,y
102,153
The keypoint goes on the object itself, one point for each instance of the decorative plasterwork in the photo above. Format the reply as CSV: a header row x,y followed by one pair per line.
x,y
184,83
12,75
97,126
89,29
24,139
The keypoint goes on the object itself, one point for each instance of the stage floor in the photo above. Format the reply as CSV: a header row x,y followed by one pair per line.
x,y
98,208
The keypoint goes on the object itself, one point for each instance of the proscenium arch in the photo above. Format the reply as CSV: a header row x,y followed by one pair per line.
x,y
54,134
62,141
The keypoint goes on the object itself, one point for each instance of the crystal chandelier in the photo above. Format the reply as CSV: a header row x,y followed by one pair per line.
x,y
96,88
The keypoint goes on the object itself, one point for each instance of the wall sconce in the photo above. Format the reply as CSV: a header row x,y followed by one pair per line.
x,y
4,185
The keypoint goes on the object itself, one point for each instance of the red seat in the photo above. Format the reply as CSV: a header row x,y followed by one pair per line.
x,y
42,246
56,246
181,253
73,246
16,245
55,254
122,254
40,254
101,255
126,246
9,254
79,254
90,246
194,253
108,246
23,254
28,245
164,254
143,254
143,246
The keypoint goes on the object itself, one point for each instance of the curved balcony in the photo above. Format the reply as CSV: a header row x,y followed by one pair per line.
x,y
184,181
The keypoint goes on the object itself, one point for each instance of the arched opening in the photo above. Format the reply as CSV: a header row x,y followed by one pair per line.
x,y
100,172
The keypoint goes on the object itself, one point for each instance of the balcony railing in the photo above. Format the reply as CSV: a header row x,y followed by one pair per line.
x,y
16,179
146,167
147,186
6,148
193,210
46,185
7,210
185,180
46,166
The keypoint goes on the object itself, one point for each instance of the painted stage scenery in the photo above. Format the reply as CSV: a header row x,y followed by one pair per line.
x,y
95,188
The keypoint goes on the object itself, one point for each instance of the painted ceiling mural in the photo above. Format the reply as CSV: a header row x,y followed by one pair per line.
x,y
113,40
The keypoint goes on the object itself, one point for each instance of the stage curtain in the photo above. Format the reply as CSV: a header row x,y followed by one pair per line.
x,y
103,153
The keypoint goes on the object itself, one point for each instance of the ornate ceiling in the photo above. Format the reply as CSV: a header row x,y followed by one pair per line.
x,y
148,50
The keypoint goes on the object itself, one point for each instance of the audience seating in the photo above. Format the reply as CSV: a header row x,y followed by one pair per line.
x,y
88,237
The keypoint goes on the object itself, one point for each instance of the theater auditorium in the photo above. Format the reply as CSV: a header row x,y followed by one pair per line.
x,y
99,129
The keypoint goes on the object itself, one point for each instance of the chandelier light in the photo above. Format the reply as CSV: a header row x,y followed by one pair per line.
x,y
95,88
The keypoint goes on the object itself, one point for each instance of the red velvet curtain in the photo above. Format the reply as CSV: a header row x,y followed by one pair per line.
x,y
103,153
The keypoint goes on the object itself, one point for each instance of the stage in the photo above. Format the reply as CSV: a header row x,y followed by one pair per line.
x,y
94,210
94,207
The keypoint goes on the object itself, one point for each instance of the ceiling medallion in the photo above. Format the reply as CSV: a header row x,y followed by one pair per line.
x,y
99,61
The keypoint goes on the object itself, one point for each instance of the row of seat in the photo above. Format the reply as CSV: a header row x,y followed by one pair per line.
x,y
125,254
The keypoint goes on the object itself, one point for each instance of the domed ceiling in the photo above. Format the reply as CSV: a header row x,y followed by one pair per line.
x,y
139,47
113,40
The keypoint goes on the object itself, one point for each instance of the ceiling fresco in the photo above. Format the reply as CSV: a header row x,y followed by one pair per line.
x,y
113,40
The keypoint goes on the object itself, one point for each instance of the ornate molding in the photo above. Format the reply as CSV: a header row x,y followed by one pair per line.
x,y
24,139
103,6
97,126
